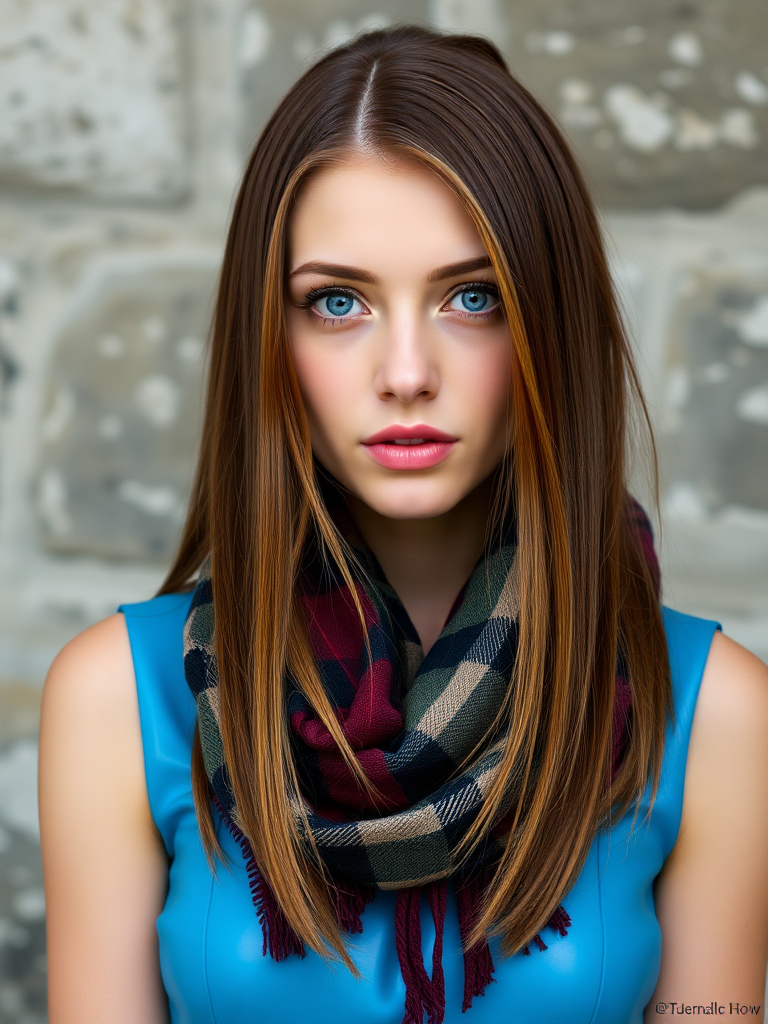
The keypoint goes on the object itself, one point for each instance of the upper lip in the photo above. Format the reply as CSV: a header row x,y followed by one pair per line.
x,y
397,433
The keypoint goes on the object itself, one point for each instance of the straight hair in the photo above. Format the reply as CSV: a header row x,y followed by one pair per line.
x,y
588,594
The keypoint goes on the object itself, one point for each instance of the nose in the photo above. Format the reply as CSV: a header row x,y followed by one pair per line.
x,y
406,368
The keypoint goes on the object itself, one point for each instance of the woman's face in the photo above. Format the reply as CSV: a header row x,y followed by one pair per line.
x,y
398,338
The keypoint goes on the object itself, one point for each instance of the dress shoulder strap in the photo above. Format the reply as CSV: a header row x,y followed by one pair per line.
x,y
688,642
167,710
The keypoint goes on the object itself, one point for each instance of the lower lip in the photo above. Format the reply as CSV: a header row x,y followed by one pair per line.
x,y
410,456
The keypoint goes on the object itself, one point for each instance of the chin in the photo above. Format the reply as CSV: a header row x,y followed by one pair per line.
x,y
412,502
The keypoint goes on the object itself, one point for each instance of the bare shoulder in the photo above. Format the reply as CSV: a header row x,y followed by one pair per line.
x,y
726,779
89,714
89,706
736,670
96,664
731,719
104,863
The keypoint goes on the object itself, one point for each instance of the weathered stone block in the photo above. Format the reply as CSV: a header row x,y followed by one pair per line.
x,y
717,394
715,448
667,104
9,302
22,900
120,430
92,98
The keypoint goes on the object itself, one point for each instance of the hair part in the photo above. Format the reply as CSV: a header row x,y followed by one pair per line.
x,y
363,111
450,103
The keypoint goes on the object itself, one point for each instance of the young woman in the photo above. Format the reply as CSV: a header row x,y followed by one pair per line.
x,y
439,734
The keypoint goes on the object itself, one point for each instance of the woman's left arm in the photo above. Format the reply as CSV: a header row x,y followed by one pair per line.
x,y
712,895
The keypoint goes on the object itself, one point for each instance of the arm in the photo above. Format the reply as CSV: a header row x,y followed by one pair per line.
x,y
104,863
712,895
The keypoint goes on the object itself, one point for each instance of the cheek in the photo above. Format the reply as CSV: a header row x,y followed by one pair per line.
x,y
486,382
313,381
327,388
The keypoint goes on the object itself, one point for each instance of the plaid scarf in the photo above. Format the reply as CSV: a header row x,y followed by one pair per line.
x,y
411,720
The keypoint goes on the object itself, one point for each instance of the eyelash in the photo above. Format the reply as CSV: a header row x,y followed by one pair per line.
x,y
481,286
312,297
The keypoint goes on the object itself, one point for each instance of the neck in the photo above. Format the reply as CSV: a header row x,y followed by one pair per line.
x,y
428,561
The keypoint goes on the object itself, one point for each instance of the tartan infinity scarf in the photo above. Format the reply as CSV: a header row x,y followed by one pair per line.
x,y
411,720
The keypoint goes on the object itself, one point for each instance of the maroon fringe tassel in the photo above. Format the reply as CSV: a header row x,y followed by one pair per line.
x,y
560,922
478,962
279,938
349,903
422,993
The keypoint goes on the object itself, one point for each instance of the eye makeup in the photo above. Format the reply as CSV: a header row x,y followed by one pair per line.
x,y
316,295
327,291
488,287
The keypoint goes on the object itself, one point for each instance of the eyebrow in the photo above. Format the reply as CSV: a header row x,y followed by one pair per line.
x,y
455,269
356,274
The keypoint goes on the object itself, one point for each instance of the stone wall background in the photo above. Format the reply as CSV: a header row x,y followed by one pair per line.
x,y
124,127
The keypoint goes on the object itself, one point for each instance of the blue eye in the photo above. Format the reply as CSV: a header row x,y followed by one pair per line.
x,y
474,299
338,305
335,305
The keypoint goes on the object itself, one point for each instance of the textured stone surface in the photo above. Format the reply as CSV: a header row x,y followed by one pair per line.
x,y
715,443
120,428
22,902
22,931
9,304
717,395
667,104
91,97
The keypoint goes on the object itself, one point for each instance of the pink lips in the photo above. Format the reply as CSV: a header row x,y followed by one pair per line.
x,y
425,447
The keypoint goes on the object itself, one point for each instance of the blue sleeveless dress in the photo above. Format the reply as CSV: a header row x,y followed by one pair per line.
x,y
603,972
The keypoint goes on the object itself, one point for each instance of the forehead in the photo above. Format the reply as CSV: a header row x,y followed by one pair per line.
x,y
368,209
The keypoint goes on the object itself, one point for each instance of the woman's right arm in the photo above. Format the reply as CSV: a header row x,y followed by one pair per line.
x,y
104,863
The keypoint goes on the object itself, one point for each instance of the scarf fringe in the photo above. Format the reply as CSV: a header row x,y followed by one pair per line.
x,y
349,903
478,962
560,922
280,940
422,993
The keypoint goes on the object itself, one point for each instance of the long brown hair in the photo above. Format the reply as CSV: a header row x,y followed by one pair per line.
x,y
586,588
